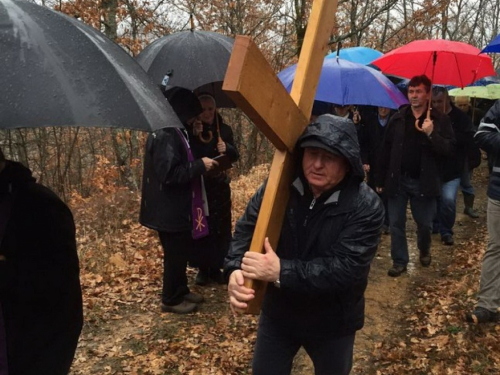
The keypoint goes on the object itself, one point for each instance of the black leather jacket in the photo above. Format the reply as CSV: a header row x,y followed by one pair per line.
x,y
326,245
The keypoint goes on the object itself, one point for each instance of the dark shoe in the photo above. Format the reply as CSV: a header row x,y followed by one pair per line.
x,y
447,239
469,211
481,315
182,308
385,229
194,298
469,205
202,278
425,259
217,276
396,270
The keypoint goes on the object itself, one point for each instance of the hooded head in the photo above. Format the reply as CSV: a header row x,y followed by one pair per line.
x,y
184,103
336,135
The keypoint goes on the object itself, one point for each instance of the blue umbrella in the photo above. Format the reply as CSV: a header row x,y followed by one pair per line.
x,y
344,82
360,55
485,81
493,46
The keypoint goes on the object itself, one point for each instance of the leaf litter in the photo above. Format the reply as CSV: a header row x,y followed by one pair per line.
x,y
414,324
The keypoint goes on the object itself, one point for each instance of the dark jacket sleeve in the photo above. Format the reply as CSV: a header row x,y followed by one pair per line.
x,y
170,158
348,261
243,233
384,158
442,139
488,133
465,136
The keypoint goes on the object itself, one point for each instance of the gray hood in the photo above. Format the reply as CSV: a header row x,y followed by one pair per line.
x,y
340,134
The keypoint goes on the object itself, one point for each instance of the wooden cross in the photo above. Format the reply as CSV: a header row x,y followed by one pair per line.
x,y
252,84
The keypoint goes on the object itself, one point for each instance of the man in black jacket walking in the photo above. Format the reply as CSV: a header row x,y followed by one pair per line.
x,y
319,271
453,166
410,170
375,126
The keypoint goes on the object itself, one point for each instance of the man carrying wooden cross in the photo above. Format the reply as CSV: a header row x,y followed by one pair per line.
x,y
318,274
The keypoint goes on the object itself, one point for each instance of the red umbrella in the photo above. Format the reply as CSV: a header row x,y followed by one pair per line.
x,y
444,61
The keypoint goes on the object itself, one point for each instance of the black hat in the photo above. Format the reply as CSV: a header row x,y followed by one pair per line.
x,y
308,142
184,103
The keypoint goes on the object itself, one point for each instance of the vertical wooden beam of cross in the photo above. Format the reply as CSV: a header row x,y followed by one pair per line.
x,y
253,86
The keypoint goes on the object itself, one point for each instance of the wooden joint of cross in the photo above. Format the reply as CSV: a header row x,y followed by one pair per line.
x,y
253,86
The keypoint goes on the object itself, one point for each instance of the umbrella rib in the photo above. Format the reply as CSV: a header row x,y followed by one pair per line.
x,y
459,72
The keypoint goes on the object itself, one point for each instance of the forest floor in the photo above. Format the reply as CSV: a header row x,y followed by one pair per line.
x,y
414,323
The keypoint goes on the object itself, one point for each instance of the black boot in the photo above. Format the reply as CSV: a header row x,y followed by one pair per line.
x,y
202,278
469,206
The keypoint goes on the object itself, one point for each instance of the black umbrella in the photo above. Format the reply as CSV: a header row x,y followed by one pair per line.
x,y
57,71
195,60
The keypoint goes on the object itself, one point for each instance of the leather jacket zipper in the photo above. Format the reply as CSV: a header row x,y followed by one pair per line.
x,y
311,206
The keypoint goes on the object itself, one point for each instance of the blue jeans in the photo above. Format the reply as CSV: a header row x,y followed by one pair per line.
x,y
276,347
447,206
422,209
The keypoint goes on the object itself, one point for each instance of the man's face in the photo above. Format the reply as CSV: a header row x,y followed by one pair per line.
x,y
208,113
322,169
383,112
462,104
342,110
440,102
418,96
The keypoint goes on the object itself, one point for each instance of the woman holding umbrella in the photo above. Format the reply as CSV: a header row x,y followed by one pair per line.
x,y
214,140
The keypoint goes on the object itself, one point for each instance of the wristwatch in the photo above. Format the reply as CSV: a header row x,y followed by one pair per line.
x,y
277,283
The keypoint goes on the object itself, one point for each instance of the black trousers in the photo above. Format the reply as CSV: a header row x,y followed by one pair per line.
x,y
177,248
277,345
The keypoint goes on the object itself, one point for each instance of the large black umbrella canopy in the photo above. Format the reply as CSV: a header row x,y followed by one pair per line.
x,y
195,60
57,71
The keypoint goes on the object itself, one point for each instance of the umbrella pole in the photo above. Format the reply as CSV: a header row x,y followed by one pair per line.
x,y
429,105
219,138
473,108
434,58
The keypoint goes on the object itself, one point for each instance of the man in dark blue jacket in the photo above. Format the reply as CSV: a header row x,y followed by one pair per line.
x,y
488,305
319,271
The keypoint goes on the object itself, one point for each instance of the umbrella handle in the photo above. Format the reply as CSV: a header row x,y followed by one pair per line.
x,y
428,117
219,138
208,139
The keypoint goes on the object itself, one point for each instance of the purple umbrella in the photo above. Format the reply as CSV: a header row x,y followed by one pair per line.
x,y
344,82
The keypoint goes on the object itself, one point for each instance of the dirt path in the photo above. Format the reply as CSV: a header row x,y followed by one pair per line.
x,y
389,300
125,334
